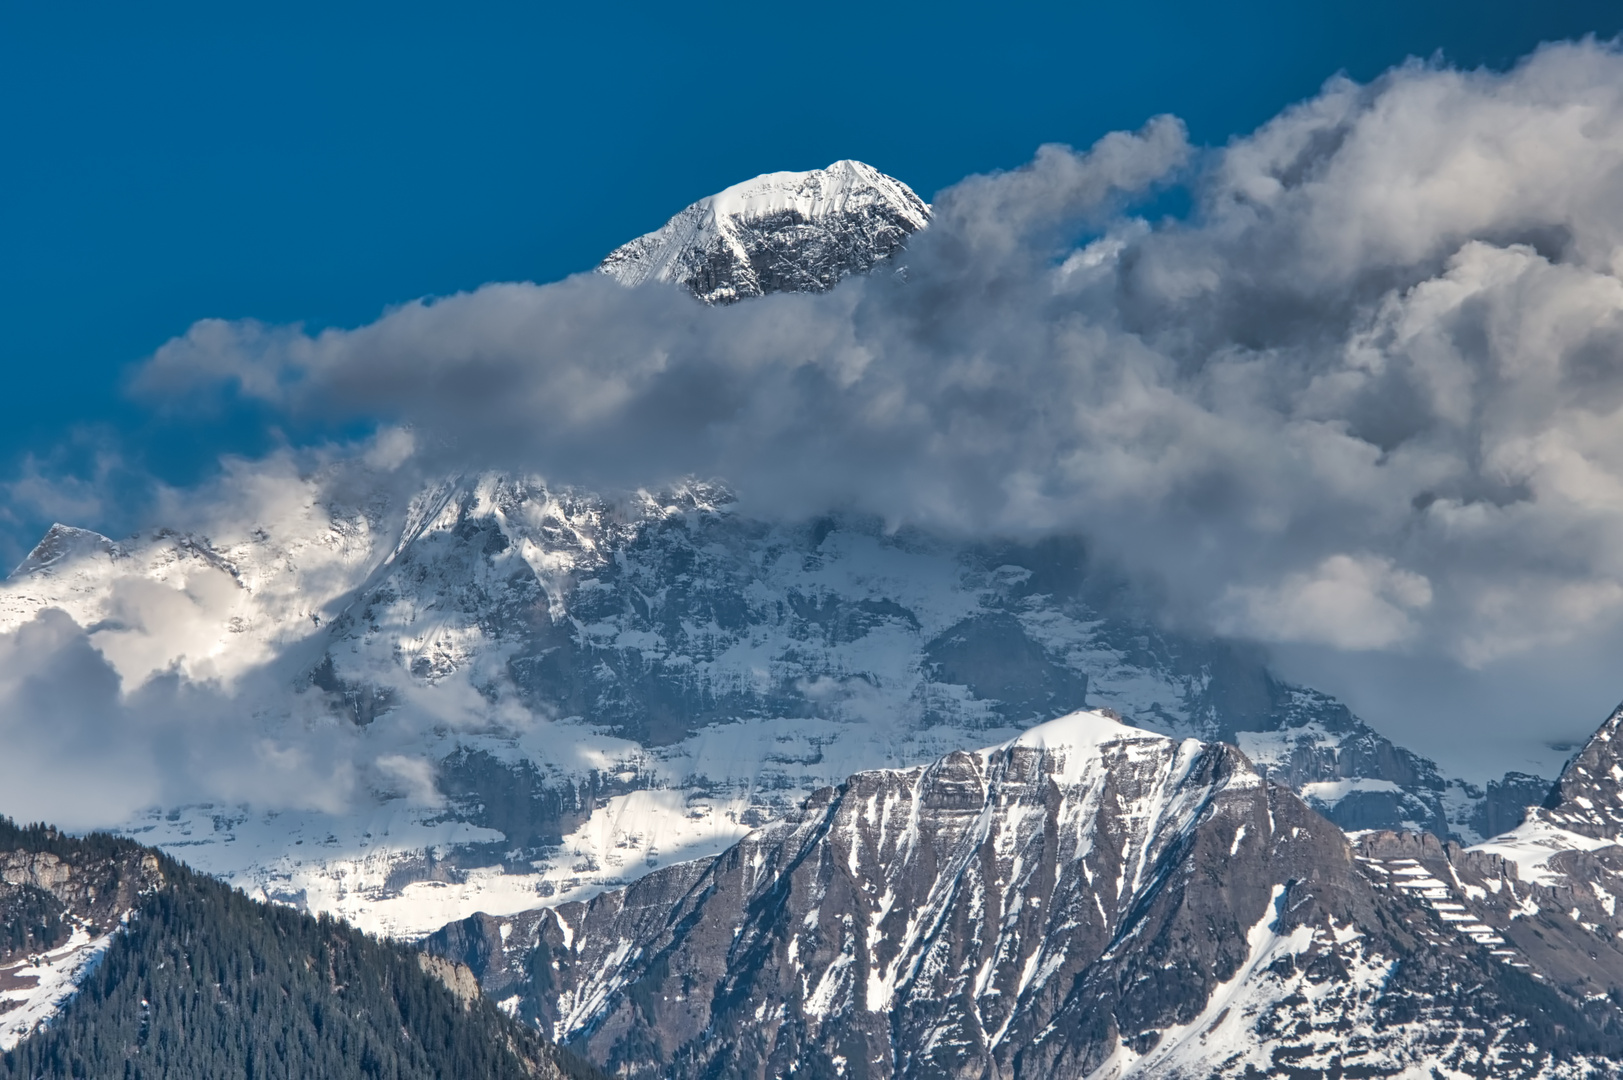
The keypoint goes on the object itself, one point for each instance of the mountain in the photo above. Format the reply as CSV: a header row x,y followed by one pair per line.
x,y
1087,899
1569,850
659,771
538,693
641,682
781,232
178,976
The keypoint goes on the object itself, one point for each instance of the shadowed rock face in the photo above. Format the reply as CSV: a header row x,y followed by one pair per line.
x,y
1506,802
1089,899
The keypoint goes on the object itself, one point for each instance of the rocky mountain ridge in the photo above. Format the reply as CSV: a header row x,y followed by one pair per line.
x,y
1086,900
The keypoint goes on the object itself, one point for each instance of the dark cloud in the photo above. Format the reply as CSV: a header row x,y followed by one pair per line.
x,y
1365,397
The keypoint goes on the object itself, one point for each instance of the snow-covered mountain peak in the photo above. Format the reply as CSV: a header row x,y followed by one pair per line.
x,y
780,232
62,544
817,193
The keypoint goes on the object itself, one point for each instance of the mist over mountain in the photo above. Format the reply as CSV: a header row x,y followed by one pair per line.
x,y
680,645
1365,372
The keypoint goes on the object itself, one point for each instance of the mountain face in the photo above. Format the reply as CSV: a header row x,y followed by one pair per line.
x,y
1569,851
1085,900
1588,798
782,232
702,779
641,682
191,979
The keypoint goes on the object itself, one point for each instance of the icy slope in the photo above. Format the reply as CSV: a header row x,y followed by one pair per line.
x,y
1087,899
781,232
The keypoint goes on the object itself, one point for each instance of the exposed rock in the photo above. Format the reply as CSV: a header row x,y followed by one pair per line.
x,y
61,900
458,978
1588,798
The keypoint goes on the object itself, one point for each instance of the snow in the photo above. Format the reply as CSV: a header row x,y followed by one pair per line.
x,y
1531,846
1075,740
1270,749
1330,792
383,590
1222,1028
33,989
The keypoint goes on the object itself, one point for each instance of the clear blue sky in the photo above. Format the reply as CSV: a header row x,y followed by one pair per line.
x,y
289,162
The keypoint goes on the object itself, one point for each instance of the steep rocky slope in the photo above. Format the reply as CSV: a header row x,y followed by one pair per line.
x,y
1088,899
61,901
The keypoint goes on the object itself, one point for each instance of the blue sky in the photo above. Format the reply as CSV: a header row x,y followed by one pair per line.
x,y
293,162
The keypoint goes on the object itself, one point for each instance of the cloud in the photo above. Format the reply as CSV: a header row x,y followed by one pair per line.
x,y
1368,394
173,683
83,750
1349,602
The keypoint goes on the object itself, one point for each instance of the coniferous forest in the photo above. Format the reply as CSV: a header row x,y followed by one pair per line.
x,y
204,983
